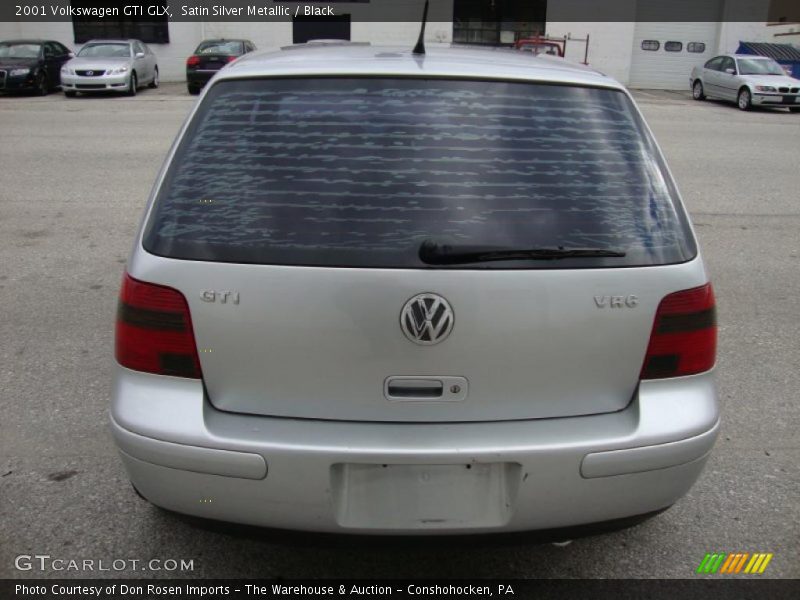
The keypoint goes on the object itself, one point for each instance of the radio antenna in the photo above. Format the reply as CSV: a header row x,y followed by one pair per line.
x,y
420,47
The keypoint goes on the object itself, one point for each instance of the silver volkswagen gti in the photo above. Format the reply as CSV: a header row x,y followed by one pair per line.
x,y
383,293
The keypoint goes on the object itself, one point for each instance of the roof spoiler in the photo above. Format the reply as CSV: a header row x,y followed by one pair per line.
x,y
325,43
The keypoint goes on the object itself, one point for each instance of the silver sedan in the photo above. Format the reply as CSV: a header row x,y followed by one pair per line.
x,y
747,80
110,66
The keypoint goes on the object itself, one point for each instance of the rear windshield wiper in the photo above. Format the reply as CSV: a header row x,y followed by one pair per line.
x,y
432,253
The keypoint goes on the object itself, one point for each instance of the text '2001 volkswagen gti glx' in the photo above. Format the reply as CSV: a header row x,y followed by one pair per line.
x,y
378,292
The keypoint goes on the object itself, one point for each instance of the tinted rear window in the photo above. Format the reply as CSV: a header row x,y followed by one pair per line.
x,y
358,172
234,48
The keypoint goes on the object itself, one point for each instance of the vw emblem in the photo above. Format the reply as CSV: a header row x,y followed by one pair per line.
x,y
89,73
427,319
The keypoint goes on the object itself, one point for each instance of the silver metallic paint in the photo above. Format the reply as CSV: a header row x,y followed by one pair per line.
x,y
657,415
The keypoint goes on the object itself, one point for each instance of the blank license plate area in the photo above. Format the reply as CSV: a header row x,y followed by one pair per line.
x,y
424,496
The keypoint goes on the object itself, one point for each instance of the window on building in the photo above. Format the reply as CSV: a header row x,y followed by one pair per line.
x,y
336,27
149,29
783,11
697,47
673,46
651,45
497,22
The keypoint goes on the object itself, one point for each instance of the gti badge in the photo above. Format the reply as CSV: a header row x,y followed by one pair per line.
x,y
427,319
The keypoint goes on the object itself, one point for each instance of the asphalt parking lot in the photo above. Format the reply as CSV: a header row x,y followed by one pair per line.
x,y
75,177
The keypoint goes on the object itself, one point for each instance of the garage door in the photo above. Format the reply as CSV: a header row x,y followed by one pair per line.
x,y
665,52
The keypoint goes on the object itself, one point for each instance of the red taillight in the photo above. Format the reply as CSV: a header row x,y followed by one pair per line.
x,y
193,61
231,58
684,337
154,330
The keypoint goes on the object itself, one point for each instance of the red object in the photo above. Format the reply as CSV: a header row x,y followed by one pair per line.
x,y
539,45
684,336
154,330
193,61
231,58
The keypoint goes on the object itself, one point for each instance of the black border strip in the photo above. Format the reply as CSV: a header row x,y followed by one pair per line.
x,y
490,11
700,588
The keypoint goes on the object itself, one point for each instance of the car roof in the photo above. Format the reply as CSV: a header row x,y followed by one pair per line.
x,y
756,56
358,59
128,41
215,40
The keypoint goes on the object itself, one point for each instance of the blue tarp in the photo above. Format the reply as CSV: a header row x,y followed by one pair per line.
x,y
784,54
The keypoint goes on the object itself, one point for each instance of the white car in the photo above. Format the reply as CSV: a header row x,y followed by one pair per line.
x,y
378,292
110,66
747,80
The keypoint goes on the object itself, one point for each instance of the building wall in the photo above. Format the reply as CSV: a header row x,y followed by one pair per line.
x,y
752,30
609,45
730,34
610,42
46,30
733,33
786,33
184,37
401,33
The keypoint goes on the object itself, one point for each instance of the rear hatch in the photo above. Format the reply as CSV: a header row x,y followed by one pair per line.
x,y
294,210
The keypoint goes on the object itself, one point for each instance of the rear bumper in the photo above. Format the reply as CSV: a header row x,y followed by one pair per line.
x,y
199,78
184,455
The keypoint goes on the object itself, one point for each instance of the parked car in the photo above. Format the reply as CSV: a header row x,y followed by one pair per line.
x,y
110,66
377,294
209,57
31,65
747,80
